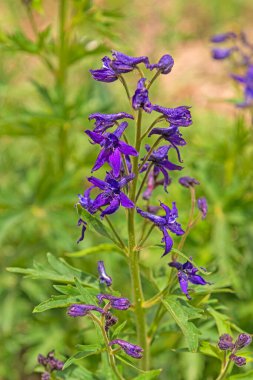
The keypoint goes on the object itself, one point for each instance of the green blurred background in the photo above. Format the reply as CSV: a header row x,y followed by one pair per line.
x,y
46,95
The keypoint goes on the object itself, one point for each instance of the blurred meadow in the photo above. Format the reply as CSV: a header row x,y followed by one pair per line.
x,y
46,95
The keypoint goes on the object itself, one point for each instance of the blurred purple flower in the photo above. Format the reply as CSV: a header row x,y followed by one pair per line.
x,y
187,273
110,320
242,341
188,181
222,53
179,116
238,360
164,223
164,65
247,81
50,363
45,376
111,193
80,310
222,37
105,121
112,148
119,303
103,276
202,206
159,158
172,135
140,98
129,348
226,342
152,184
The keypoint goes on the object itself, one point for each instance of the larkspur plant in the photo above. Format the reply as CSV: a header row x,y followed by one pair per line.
x,y
239,51
127,177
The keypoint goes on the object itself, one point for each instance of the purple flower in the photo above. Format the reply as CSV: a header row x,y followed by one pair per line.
x,y
112,148
85,200
82,223
106,74
140,98
188,181
112,194
172,135
247,81
105,121
202,206
179,116
110,320
222,37
164,223
123,63
79,310
243,340
238,360
187,273
129,348
222,53
45,376
164,65
119,303
50,363
152,184
103,277
159,158
226,342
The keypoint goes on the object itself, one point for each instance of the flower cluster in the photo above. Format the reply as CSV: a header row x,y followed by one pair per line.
x,y
240,49
50,364
226,344
118,303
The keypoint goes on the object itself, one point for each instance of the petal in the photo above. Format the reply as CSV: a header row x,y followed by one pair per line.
x,y
101,159
115,162
100,201
127,149
167,179
96,137
170,166
183,282
114,205
168,242
98,183
125,201
158,220
120,130
197,280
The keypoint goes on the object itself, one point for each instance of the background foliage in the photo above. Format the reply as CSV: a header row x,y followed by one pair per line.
x,y
46,95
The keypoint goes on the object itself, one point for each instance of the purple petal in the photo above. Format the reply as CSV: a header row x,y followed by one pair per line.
x,y
165,64
120,130
98,183
127,149
168,242
96,137
222,37
100,201
183,282
159,220
197,280
114,205
102,158
125,201
115,162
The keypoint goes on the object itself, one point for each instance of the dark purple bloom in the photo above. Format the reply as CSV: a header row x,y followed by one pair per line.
x,y
222,53
106,74
188,181
152,184
165,64
79,310
123,63
226,342
112,194
140,98
112,148
179,116
164,223
105,121
247,81
202,206
110,320
82,223
159,158
187,272
103,276
50,363
238,360
129,348
119,303
243,340
222,37
45,376
172,135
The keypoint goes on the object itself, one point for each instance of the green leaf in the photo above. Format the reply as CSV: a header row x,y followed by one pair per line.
x,y
85,295
209,349
94,222
56,302
242,376
85,350
118,329
222,321
149,375
180,316
101,248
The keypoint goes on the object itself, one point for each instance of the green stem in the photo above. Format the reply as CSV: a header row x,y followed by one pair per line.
x,y
160,118
224,370
143,182
153,79
134,260
113,229
122,79
150,152
142,241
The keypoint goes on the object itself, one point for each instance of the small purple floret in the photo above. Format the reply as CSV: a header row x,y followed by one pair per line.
x,y
247,81
187,273
222,37
103,276
164,65
225,342
188,181
140,98
119,303
129,348
222,53
105,121
164,223
202,206
238,360
50,363
242,341
179,116
79,310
